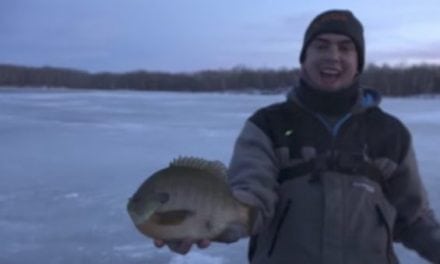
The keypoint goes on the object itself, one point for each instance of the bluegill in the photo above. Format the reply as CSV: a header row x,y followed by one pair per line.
x,y
189,199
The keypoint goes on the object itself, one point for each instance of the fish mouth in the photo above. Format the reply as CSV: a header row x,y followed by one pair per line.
x,y
139,219
139,214
141,210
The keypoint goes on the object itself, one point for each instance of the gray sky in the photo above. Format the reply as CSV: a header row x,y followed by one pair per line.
x,y
191,35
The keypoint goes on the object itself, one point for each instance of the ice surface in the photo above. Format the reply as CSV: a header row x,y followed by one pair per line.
x,y
70,160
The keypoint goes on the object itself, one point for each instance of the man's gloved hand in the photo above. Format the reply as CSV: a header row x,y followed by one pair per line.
x,y
182,247
231,234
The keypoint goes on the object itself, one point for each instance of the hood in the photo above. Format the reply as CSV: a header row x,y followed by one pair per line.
x,y
368,98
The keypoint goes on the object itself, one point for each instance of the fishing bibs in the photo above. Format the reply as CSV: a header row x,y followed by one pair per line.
x,y
332,209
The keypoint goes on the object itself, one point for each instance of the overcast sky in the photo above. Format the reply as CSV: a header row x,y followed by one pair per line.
x,y
192,35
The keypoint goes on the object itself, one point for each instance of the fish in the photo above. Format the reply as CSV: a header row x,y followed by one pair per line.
x,y
189,199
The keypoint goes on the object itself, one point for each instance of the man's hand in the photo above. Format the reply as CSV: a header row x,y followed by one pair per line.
x,y
183,246
231,234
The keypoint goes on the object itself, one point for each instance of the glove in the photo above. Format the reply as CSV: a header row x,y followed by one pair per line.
x,y
182,246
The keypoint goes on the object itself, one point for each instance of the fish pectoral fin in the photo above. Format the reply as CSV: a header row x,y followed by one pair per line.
x,y
232,233
174,217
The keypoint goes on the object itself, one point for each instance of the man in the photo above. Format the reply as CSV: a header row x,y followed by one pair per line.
x,y
331,177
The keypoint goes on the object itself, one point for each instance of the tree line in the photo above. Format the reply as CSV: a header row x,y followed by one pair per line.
x,y
394,81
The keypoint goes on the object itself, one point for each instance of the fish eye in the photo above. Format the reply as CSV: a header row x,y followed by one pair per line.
x,y
163,197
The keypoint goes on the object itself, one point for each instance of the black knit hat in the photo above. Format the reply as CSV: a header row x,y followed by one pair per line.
x,y
339,22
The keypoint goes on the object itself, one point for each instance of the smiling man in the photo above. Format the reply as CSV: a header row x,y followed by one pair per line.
x,y
332,62
331,177
334,48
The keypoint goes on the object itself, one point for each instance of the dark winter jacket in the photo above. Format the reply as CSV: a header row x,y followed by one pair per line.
x,y
331,186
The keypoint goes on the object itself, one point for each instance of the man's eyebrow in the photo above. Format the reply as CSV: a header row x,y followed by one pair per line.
x,y
346,42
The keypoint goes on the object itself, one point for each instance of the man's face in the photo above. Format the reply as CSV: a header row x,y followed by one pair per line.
x,y
331,62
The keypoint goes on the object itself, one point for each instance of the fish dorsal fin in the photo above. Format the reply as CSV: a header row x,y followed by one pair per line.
x,y
215,167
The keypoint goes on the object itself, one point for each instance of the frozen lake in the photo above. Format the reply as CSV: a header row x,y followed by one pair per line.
x,y
70,160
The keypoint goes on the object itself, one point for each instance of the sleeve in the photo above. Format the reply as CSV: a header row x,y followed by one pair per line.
x,y
253,173
416,226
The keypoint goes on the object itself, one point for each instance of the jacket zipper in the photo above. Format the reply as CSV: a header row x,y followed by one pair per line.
x,y
388,230
278,227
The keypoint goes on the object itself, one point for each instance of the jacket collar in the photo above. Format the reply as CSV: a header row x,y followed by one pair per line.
x,y
351,99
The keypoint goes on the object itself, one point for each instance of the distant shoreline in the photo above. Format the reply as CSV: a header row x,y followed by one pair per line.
x,y
397,81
